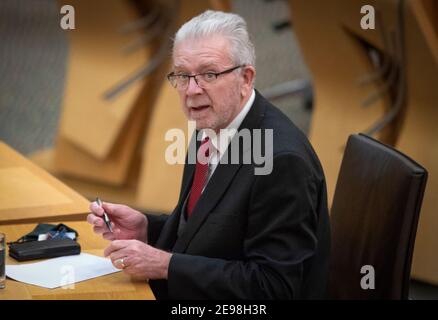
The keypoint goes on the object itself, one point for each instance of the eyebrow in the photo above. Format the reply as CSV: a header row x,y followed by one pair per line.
x,y
208,65
201,67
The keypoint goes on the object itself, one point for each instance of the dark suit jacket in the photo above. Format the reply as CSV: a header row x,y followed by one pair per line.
x,y
251,236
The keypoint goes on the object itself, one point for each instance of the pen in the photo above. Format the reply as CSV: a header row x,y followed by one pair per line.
x,y
105,215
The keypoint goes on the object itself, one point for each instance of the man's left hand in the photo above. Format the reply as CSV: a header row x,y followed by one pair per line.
x,y
139,259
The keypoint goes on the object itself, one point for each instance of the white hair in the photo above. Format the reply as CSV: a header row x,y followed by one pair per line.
x,y
229,25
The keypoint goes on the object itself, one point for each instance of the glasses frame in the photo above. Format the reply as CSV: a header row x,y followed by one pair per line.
x,y
172,77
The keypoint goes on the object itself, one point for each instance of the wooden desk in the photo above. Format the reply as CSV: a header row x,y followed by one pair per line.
x,y
114,286
28,193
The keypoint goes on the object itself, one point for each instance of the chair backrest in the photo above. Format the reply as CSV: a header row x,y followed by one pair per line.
x,y
374,220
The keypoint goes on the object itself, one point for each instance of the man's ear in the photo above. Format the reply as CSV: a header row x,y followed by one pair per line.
x,y
248,74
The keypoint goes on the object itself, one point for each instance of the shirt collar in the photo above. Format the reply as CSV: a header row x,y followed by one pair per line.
x,y
234,125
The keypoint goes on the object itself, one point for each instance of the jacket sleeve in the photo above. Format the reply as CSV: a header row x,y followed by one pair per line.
x,y
280,237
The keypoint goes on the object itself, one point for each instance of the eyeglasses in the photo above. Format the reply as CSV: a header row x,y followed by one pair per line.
x,y
181,81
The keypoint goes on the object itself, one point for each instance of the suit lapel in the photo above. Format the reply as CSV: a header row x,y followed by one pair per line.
x,y
212,193
189,169
220,180
168,234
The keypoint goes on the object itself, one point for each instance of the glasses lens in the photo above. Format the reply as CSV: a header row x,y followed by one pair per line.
x,y
208,77
172,80
183,80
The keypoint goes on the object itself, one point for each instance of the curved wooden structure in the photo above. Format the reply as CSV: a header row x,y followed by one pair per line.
x,y
395,69
115,148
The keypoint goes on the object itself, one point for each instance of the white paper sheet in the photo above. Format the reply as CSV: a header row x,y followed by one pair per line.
x,y
62,271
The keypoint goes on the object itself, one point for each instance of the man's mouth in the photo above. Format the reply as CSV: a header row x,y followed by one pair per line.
x,y
200,108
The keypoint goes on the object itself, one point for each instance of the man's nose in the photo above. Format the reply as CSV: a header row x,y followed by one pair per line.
x,y
193,87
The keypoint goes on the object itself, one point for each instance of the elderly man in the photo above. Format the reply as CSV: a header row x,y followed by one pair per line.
x,y
233,233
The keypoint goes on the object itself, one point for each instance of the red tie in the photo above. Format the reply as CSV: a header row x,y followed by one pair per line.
x,y
201,171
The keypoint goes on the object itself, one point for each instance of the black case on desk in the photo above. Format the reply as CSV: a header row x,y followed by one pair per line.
x,y
44,249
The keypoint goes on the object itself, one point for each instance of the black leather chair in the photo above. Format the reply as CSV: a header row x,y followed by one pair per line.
x,y
374,220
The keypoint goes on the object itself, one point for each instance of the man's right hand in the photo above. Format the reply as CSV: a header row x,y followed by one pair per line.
x,y
126,222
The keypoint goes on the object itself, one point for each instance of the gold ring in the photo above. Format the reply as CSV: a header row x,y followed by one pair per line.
x,y
121,262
